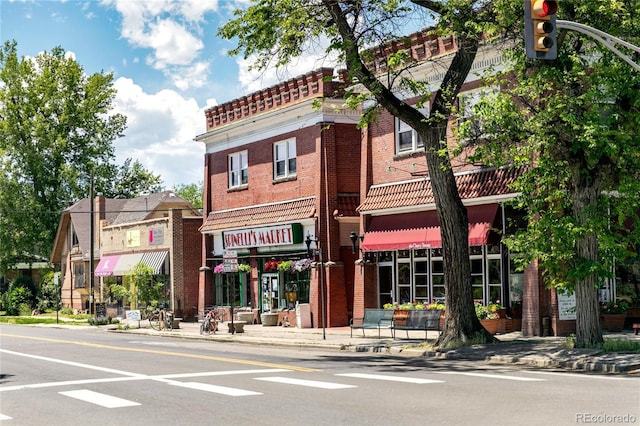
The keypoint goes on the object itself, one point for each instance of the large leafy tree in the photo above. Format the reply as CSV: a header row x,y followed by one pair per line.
x,y
191,192
56,133
128,181
274,32
575,124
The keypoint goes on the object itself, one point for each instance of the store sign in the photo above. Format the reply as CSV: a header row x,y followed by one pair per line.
x,y
156,236
133,238
230,261
566,306
261,237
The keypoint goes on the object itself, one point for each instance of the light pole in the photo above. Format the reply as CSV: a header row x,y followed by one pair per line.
x,y
308,242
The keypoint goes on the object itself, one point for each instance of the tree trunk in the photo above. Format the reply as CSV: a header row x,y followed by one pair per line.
x,y
588,332
461,322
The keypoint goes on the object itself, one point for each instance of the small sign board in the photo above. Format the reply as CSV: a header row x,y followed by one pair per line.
x,y
134,315
566,306
230,260
101,310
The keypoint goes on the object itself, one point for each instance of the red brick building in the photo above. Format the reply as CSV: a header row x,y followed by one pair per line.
x,y
278,170
282,181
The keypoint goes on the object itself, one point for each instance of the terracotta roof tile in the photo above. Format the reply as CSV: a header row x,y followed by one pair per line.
x,y
260,215
347,204
482,183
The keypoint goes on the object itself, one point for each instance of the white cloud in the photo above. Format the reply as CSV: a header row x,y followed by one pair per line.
x,y
195,75
160,132
314,57
171,30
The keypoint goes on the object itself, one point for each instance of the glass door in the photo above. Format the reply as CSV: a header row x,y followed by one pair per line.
x,y
270,292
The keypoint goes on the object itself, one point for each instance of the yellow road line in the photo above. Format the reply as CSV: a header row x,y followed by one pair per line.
x,y
158,352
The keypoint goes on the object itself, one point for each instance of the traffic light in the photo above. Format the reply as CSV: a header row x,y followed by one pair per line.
x,y
540,29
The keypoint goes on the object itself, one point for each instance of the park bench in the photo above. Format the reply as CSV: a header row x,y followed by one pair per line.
x,y
373,318
427,319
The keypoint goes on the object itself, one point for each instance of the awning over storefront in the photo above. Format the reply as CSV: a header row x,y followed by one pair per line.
x,y
421,230
126,263
105,266
155,260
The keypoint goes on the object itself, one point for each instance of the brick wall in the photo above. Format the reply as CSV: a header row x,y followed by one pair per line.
x,y
191,257
307,86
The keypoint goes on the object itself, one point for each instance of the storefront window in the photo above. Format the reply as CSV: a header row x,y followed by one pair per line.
x,y
229,290
296,288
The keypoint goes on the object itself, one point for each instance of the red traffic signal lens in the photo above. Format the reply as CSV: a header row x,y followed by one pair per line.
x,y
544,8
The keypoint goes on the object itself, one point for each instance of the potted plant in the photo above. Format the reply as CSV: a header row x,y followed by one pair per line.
x,y
301,265
488,318
613,315
439,306
285,266
271,265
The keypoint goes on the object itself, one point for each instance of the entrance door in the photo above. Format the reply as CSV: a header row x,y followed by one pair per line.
x,y
270,292
385,284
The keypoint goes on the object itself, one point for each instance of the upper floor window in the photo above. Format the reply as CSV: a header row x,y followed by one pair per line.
x,y
238,169
284,158
469,102
407,139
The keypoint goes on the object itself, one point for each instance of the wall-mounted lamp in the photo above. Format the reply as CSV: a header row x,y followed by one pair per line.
x,y
354,241
308,242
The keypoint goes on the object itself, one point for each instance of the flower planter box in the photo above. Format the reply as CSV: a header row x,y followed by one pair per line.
x,y
613,322
269,319
245,317
400,317
491,325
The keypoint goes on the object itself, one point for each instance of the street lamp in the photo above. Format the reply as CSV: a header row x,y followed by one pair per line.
x,y
308,242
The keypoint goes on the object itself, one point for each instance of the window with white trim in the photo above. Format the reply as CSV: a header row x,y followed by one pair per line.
x,y
407,139
238,169
284,159
468,102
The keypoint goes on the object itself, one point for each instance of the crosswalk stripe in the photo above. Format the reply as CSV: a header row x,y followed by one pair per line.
x,y
390,378
310,383
97,398
215,389
493,376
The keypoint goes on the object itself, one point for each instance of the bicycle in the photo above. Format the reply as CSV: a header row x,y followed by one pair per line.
x,y
210,322
161,319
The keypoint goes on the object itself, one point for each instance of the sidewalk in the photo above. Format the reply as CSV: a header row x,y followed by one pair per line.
x,y
546,352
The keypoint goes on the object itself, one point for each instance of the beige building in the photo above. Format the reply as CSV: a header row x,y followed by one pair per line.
x,y
159,230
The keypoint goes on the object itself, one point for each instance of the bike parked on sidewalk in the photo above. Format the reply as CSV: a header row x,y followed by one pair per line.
x,y
210,322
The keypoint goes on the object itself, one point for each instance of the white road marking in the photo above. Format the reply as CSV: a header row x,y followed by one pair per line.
x,y
221,373
216,389
70,383
584,376
493,376
3,417
97,398
310,383
74,364
390,378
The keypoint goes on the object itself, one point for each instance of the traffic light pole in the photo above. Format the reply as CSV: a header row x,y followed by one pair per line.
x,y
607,40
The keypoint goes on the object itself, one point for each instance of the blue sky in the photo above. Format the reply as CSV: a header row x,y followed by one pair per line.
x,y
168,64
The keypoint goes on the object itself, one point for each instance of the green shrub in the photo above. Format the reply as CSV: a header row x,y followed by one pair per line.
x,y
66,311
19,296
102,321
